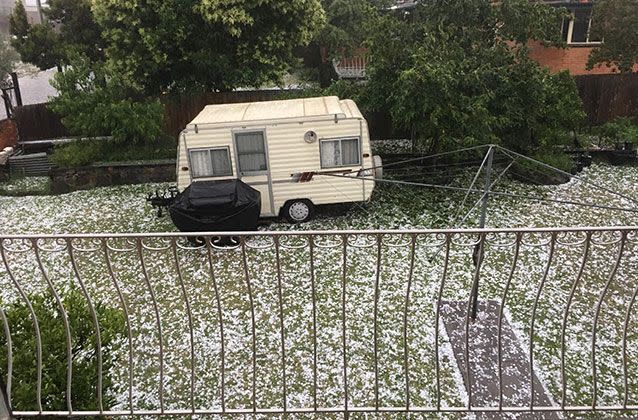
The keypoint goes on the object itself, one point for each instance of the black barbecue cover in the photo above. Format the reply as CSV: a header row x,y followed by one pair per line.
x,y
227,205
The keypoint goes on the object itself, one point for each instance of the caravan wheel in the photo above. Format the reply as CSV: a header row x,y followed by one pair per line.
x,y
298,211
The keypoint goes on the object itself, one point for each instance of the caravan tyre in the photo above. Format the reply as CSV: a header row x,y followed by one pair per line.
x,y
298,211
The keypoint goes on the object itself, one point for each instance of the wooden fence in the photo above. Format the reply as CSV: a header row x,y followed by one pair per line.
x,y
605,97
37,122
608,96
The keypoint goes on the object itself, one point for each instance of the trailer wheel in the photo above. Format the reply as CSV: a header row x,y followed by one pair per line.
x,y
298,211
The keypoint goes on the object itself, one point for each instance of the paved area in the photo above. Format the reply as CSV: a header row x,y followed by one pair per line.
x,y
483,356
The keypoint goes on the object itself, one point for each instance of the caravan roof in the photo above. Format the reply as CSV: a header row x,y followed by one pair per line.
x,y
305,108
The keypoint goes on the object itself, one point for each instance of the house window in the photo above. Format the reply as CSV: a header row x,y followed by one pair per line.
x,y
340,152
207,163
251,152
577,29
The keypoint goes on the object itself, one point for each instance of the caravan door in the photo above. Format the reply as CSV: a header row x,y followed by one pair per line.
x,y
253,167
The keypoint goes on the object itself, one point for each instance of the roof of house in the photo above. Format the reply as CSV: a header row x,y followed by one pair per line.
x,y
305,108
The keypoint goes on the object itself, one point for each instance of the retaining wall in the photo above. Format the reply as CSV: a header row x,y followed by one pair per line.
x,y
64,180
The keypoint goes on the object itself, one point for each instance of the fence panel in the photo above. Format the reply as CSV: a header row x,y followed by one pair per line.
x,y
606,97
37,122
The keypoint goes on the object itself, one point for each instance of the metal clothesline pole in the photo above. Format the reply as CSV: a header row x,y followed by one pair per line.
x,y
481,247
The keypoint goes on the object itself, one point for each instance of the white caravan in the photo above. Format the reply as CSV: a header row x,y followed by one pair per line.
x,y
281,148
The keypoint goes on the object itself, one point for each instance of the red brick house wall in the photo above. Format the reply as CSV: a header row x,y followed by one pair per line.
x,y
8,134
573,59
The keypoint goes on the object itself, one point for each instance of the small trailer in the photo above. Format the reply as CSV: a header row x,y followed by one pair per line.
x,y
284,149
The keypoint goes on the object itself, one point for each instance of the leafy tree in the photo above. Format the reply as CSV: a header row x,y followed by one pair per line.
x,y
37,44
349,24
83,340
457,74
78,31
616,22
8,58
177,45
69,28
95,102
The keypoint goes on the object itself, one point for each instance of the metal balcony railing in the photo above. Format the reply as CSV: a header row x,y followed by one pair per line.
x,y
325,322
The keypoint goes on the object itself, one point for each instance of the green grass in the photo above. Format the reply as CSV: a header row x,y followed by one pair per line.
x,y
123,209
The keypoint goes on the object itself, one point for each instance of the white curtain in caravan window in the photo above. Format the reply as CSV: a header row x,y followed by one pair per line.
x,y
221,162
330,154
251,152
350,152
201,164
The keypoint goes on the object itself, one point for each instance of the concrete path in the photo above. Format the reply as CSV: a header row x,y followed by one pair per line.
x,y
483,355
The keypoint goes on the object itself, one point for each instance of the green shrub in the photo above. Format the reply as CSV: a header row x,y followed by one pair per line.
x,y
78,153
54,364
95,102
622,129
556,158
86,152
534,173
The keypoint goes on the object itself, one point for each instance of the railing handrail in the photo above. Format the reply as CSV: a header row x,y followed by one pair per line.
x,y
322,232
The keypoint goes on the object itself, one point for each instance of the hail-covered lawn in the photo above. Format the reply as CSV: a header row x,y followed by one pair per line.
x,y
307,290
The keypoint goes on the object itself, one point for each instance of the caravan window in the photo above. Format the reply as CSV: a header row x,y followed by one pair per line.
x,y
206,163
340,152
251,152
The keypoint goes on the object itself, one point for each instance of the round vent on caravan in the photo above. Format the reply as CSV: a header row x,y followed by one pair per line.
x,y
310,137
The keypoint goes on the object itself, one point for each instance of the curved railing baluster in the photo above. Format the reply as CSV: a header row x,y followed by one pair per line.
x,y
552,246
94,318
570,298
501,311
7,334
473,300
625,332
375,322
220,319
36,326
158,321
406,366
282,326
437,319
189,314
313,290
344,342
621,248
129,333
252,324
65,322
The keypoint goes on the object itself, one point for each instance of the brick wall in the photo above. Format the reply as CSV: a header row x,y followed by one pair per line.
x,y
8,134
573,59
